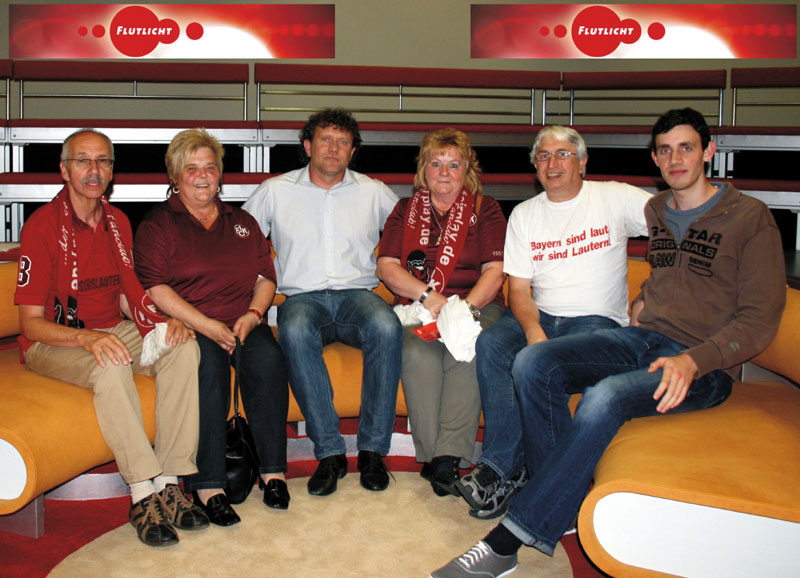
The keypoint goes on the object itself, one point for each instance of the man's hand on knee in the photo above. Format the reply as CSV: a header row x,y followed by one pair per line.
x,y
678,373
105,345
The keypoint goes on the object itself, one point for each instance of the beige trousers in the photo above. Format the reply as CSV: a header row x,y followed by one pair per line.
x,y
117,405
442,396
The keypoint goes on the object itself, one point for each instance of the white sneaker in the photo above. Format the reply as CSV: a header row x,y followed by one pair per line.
x,y
479,561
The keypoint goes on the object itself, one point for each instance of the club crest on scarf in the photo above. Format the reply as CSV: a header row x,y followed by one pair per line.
x,y
415,263
417,233
145,312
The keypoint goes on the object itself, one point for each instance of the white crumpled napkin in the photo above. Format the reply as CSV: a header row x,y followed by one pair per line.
x,y
413,314
458,329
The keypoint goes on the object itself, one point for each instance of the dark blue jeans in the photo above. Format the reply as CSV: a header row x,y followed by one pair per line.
x,y
610,368
496,349
355,317
265,395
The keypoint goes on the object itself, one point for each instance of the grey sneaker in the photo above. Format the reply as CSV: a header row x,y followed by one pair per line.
x,y
496,504
478,486
479,561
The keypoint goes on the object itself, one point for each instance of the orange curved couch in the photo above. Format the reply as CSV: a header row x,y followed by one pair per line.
x,y
707,493
48,429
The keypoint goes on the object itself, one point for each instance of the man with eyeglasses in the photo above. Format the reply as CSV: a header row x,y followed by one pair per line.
x,y
713,300
85,319
569,245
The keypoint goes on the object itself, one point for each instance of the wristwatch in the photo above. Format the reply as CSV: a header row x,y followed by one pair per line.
x,y
425,295
476,313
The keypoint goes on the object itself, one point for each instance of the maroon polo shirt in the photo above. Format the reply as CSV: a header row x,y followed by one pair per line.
x,y
214,270
485,242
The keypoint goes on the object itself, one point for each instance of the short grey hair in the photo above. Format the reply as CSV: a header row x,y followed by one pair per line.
x,y
68,141
559,132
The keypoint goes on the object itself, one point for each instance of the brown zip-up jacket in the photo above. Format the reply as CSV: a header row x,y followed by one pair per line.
x,y
722,289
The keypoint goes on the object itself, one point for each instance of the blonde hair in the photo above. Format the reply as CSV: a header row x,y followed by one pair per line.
x,y
184,144
445,138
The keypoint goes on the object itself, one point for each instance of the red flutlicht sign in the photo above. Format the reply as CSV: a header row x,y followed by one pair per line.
x,y
175,31
634,31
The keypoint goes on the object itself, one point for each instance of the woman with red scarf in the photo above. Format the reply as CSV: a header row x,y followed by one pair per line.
x,y
446,240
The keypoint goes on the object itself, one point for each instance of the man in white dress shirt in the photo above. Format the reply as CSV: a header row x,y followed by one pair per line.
x,y
325,222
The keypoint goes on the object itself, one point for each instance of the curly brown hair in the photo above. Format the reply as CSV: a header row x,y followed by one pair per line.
x,y
336,117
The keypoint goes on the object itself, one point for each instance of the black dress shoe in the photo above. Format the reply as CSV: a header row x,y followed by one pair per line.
x,y
276,493
218,510
374,475
329,471
445,475
426,473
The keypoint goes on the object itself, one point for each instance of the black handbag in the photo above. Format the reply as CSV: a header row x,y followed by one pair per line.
x,y
241,457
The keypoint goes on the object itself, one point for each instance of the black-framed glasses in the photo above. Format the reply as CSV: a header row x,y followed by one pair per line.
x,y
86,163
560,155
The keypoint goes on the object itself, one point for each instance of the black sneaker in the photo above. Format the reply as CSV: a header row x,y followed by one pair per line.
x,y
478,486
152,526
497,503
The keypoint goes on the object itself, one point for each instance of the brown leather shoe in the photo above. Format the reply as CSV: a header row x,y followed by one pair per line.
x,y
180,511
152,526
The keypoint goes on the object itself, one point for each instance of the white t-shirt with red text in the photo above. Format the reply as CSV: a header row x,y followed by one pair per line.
x,y
575,252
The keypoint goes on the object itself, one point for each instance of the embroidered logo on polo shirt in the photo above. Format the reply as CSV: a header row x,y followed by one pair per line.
x,y
241,231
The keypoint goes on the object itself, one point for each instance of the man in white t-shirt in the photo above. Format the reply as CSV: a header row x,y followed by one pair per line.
x,y
570,245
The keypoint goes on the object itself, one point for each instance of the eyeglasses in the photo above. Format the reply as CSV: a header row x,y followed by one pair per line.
x,y
86,163
560,155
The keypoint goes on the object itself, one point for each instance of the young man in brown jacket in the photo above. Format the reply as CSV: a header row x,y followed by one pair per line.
x,y
714,300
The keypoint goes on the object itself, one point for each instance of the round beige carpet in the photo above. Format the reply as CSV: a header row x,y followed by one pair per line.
x,y
405,531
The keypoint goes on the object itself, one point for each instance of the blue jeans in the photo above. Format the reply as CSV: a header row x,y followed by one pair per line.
x,y
265,396
610,368
359,318
496,350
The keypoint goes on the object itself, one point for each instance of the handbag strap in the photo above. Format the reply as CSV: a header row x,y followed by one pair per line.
x,y
236,356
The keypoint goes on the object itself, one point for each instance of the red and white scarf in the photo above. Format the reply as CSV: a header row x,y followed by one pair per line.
x,y
417,229
145,314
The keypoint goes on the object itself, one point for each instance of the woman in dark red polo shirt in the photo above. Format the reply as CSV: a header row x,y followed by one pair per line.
x,y
446,240
207,263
